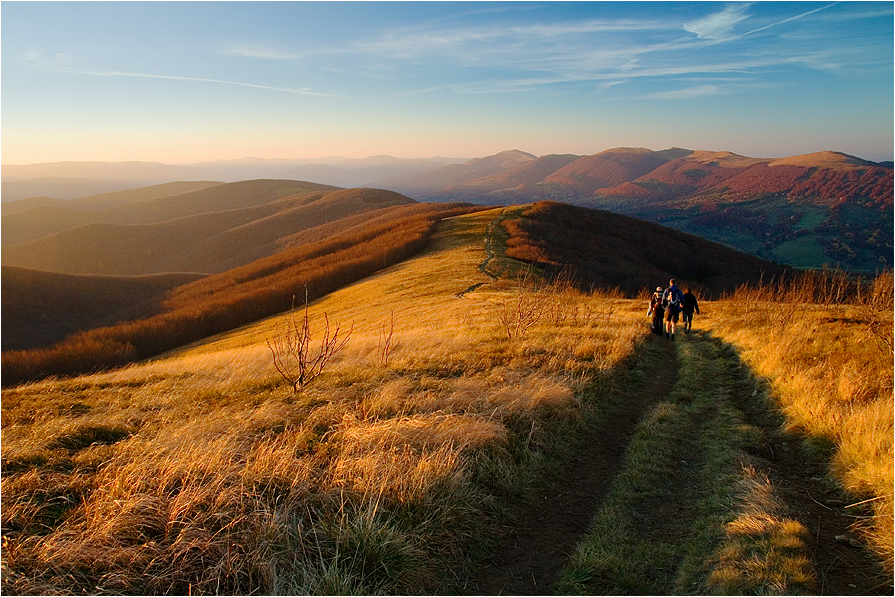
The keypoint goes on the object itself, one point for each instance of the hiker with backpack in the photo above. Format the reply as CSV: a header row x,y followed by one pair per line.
x,y
656,311
687,309
672,300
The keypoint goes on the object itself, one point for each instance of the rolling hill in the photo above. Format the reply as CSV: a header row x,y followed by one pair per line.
x,y
357,231
317,263
70,180
109,200
824,208
606,250
434,430
207,243
147,206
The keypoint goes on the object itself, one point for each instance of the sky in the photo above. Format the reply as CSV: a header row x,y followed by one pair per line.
x,y
186,82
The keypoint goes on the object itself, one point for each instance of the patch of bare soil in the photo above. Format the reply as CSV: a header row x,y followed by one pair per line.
x,y
844,565
541,537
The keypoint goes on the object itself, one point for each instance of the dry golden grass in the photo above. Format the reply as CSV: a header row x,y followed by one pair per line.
x,y
763,546
830,365
203,472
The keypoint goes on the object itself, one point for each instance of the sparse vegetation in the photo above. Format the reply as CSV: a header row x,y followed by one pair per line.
x,y
296,355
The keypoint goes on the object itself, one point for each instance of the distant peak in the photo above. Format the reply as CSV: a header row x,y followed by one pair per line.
x,y
724,158
825,159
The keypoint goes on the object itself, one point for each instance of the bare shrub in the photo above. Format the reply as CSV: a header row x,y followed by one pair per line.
x,y
517,315
294,357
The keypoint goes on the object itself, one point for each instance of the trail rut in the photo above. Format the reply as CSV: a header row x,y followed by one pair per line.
x,y
542,536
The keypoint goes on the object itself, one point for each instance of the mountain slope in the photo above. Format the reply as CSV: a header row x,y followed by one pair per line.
x,y
421,185
40,308
147,206
610,168
605,250
824,208
209,242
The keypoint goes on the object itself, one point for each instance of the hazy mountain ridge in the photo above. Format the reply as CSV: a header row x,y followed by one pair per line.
x,y
133,208
71,180
146,239
811,210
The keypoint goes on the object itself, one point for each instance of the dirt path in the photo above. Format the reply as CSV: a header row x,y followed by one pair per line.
x,y
540,538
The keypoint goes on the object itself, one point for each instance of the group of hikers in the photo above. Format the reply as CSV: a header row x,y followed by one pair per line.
x,y
667,306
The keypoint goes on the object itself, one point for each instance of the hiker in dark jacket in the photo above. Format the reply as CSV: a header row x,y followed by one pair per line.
x,y
672,300
687,309
656,311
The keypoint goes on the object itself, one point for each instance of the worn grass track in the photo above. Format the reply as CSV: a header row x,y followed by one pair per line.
x,y
693,487
539,540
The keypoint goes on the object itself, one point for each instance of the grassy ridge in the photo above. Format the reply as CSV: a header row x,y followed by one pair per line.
x,y
607,250
202,472
237,297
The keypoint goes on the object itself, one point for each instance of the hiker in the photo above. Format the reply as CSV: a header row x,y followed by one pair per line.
x,y
672,300
687,309
656,311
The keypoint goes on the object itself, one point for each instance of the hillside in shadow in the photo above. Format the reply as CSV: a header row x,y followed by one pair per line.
x,y
605,250
40,308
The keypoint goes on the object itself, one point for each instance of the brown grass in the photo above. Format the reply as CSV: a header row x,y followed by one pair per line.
x,y
825,343
201,472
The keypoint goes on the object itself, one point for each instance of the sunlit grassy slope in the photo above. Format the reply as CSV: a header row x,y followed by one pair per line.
x,y
202,472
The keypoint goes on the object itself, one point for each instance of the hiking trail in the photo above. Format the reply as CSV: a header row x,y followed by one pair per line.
x,y
538,540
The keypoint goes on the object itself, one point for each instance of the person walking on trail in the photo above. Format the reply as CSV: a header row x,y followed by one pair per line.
x,y
672,300
656,311
690,305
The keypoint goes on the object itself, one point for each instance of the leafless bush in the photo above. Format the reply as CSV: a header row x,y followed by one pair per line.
x,y
518,314
293,354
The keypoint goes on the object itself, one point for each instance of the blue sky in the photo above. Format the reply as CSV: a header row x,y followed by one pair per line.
x,y
183,82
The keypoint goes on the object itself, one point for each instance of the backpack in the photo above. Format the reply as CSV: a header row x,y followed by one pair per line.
x,y
675,298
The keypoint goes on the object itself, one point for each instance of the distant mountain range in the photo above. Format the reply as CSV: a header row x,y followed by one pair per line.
x,y
824,208
70,180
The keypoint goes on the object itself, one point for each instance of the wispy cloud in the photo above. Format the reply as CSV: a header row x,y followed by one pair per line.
x,y
138,75
719,24
263,51
683,94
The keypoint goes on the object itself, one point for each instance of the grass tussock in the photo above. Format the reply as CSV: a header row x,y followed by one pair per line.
x,y
824,342
204,472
